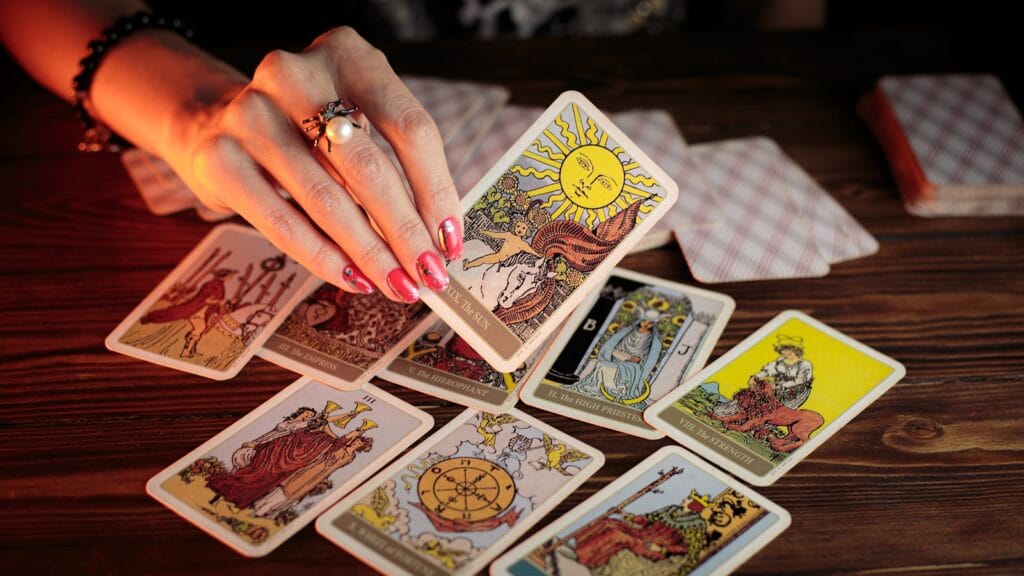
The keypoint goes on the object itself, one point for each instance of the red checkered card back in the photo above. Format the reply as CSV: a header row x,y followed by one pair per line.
x,y
762,234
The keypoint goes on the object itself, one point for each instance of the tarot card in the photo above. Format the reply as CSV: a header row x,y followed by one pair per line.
x,y
543,227
460,147
341,338
161,189
634,341
266,476
212,216
837,234
656,133
215,309
775,397
509,124
762,233
440,363
461,497
670,514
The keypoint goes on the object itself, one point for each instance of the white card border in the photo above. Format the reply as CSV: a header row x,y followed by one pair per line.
x,y
114,345
381,564
500,566
155,490
652,417
463,328
368,374
527,392
461,399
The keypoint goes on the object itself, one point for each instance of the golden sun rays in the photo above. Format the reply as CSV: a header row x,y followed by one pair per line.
x,y
579,176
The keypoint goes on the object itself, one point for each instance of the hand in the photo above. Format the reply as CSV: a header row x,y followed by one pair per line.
x,y
251,139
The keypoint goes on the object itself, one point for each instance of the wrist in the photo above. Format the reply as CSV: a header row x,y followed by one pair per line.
x,y
157,90
198,107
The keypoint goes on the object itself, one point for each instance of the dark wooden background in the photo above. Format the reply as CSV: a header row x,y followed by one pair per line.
x,y
929,479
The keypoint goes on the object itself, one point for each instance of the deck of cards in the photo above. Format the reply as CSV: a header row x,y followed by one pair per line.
x,y
955,143
537,310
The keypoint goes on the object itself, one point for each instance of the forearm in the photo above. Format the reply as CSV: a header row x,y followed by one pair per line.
x,y
152,88
234,141
157,88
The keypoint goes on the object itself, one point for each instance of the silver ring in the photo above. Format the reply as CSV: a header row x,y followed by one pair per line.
x,y
332,121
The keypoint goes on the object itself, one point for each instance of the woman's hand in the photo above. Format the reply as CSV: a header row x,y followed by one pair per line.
x,y
252,140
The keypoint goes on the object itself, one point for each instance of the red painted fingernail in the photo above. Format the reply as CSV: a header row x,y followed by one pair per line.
x,y
354,277
402,286
432,271
449,238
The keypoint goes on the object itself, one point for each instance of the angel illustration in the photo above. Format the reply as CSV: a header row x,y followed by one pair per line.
x,y
490,425
557,456
376,513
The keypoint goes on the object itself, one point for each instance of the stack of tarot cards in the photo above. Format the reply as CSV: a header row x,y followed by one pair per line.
x,y
556,324
955,143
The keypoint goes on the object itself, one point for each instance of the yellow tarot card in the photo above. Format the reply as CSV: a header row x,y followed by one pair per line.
x,y
770,401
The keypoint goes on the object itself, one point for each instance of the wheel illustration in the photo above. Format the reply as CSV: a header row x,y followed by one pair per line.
x,y
470,489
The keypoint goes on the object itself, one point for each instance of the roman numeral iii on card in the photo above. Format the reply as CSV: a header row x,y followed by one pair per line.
x,y
544,226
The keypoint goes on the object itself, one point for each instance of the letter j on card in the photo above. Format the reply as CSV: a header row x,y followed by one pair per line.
x,y
633,341
544,226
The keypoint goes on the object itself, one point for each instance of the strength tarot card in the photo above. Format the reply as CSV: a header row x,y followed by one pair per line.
x,y
456,501
634,341
212,312
775,397
266,476
341,338
441,363
543,227
672,514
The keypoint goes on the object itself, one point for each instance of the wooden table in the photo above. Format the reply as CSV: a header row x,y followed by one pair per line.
x,y
929,479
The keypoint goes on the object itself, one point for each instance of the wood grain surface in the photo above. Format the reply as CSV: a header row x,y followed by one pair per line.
x,y
928,480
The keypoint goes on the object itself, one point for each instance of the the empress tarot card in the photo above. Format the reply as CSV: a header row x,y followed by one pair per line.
x,y
342,338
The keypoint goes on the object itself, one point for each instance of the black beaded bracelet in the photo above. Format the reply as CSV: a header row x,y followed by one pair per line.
x,y
97,137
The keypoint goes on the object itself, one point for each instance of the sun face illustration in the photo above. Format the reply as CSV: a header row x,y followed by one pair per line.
x,y
580,174
591,176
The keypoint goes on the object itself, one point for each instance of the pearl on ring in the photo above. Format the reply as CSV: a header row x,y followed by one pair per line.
x,y
339,129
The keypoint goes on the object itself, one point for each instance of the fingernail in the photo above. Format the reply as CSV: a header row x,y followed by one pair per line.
x,y
449,239
432,271
354,277
401,285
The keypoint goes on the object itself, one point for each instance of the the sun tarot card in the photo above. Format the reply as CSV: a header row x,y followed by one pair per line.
x,y
543,227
